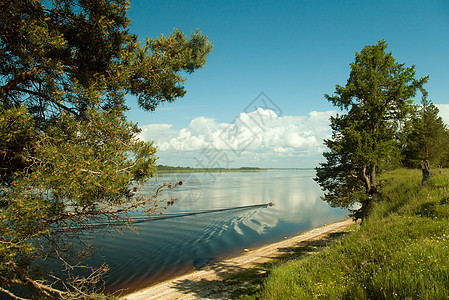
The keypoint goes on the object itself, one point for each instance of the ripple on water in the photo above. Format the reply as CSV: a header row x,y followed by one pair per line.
x,y
161,248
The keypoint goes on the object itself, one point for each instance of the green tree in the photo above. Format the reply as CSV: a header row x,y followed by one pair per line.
x,y
68,155
427,137
365,140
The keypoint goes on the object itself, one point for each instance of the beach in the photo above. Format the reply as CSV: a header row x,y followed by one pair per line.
x,y
207,283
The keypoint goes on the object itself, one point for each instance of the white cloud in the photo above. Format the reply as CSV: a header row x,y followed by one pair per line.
x,y
259,138
157,132
444,112
250,138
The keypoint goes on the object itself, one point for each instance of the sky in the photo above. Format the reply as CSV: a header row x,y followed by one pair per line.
x,y
259,100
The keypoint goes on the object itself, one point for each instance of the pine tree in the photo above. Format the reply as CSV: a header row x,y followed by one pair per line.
x,y
68,155
427,137
377,98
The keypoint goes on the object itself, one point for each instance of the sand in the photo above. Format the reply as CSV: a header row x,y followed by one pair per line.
x,y
208,283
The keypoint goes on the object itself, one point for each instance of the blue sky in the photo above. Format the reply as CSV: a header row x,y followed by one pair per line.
x,y
293,52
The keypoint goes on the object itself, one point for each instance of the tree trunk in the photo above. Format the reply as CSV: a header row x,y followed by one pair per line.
x,y
370,185
367,179
425,168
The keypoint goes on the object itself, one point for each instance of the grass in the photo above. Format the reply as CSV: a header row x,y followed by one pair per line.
x,y
247,284
400,252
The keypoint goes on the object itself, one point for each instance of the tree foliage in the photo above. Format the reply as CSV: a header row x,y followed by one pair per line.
x,y
427,137
377,98
68,155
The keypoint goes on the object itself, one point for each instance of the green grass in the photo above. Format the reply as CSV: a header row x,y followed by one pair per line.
x,y
400,252
247,284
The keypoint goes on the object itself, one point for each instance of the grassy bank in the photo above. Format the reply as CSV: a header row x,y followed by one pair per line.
x,y
401,252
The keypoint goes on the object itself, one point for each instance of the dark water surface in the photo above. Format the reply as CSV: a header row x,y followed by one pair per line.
x,y
182,239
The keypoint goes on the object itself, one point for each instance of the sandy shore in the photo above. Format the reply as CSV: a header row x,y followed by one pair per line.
x,y
207,283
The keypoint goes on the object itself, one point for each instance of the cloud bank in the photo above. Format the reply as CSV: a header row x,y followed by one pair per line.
x,y
258,138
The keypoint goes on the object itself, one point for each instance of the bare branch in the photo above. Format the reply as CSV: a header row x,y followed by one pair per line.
x,y
42,95
12,85
111,212
90,172
11,294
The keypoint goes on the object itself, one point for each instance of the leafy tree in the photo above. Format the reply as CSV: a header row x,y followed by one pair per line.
x,y
68,155
427,137
365,140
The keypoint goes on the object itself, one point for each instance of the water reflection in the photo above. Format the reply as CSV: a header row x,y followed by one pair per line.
x,y
162,247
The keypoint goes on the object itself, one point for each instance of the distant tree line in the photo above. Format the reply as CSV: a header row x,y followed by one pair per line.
x,y
170,168
178,168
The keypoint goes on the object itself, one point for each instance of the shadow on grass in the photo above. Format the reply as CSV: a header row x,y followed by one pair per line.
x,y
232,281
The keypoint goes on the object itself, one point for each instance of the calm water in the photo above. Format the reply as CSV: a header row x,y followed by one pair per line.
x,y
178,243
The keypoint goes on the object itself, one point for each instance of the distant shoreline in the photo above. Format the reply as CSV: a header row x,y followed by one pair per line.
x,y
219,170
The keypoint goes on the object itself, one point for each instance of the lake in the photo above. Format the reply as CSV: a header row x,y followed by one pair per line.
x,y
213,217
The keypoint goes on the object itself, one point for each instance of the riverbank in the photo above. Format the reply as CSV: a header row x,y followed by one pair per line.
x,y
221,279
400,252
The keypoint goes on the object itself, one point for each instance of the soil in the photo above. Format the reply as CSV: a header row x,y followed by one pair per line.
x,y
242,273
